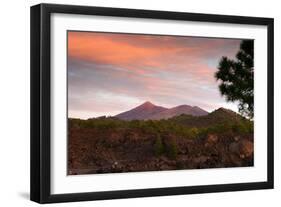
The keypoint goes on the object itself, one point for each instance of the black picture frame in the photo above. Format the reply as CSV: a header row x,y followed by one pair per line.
x,y
41,96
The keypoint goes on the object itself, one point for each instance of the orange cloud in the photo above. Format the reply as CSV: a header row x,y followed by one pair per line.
x,y
111,49
144,54
101,49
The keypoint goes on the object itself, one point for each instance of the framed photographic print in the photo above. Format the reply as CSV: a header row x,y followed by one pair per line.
x,y
133,103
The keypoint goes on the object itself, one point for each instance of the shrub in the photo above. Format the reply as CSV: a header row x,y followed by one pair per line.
x,y
250,126
239,128
172,150
134,124
158,146
193,132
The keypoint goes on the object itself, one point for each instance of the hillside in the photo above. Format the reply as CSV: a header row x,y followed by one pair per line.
x,y
219,116
222,138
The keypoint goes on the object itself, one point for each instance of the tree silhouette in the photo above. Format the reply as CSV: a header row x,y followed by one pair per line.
x,y
237,78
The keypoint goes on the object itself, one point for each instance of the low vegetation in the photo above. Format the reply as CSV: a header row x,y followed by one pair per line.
x,y
109,144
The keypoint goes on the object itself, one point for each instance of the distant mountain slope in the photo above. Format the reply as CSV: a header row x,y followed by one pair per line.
x,y
176,111
141,112
218,116
148,111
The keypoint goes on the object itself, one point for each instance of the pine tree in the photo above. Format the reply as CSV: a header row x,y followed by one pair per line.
x,y
237,78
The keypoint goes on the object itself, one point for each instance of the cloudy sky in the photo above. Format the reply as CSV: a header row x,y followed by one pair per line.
x,y
109,73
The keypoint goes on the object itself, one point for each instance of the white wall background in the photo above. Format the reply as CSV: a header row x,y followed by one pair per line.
x,y
14,104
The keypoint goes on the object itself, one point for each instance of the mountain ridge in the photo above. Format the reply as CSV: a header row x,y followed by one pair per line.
x,y
150,111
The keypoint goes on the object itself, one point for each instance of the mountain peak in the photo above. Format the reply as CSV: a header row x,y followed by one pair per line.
x,y
148,103
183,106
224,110
141,112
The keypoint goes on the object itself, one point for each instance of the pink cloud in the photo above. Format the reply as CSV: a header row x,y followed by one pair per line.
x,y
140,50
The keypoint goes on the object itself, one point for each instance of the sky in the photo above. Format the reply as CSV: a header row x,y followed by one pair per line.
x,y
109,73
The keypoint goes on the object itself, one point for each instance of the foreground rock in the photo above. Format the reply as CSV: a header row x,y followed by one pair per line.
x,y
109,151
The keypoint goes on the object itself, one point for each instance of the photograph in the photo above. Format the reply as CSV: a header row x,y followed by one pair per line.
x,y
149,102
129,103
